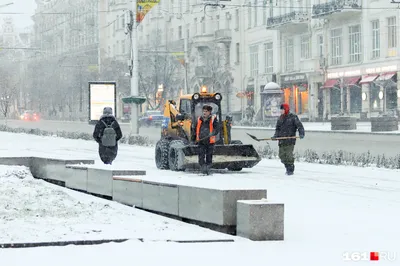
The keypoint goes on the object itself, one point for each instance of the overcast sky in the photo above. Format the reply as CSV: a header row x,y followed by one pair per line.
x,y
27,7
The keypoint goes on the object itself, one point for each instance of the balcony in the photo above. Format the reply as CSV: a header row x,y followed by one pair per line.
x,y
293,20
342,7
223,36
202,41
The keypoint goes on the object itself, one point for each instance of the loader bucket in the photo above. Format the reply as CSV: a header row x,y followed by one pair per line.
x,y
234,157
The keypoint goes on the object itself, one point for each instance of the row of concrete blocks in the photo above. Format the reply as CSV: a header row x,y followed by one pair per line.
x,y
243,209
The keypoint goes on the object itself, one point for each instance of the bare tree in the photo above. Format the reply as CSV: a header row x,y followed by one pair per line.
x,y
7,91
155,69
212,69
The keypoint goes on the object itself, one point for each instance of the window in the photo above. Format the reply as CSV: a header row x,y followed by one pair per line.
x,y
336,46
355,43
187,5
203,25
254,61
392,35
227,20
217,22
271,8
305,52
237,19
376,42
265,12
195,27
123,46
249,16
237,52
289,56
268,57
123,22
320,46
255,13
179,32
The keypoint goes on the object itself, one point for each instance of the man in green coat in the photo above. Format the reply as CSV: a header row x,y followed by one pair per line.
x,y
287,125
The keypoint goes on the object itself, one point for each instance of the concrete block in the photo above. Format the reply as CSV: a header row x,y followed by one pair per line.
x,y
100,181
23,161
160,197
77,177
127,190
260,220
214,205
53,169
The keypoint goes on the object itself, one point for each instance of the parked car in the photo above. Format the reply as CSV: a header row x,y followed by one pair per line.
x,y
29,115
151,118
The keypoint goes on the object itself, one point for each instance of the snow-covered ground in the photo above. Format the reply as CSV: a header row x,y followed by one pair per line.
x,y
326,126
33,210
329,210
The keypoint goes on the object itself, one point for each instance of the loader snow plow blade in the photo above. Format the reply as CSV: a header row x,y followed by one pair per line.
x,y
234,157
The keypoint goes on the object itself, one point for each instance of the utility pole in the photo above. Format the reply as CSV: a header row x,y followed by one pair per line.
x,y
135,70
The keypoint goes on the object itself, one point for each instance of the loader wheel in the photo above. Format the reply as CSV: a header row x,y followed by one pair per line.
x,y
162,149
233,167
176,156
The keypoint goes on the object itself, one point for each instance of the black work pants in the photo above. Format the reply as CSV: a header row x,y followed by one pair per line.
x,y
206,154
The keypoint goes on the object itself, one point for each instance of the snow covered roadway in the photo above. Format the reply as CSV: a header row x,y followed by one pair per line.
x,y
329,210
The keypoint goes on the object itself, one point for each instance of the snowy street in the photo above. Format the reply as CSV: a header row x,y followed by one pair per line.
x,y
329,210
319,137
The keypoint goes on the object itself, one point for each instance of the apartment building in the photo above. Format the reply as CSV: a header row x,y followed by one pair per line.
x,y
329,56
362,55
336,56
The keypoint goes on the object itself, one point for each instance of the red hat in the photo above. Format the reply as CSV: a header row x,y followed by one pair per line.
x,y
285,107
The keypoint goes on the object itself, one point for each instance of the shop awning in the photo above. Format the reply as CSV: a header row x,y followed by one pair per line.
x,y
386,76
368,79
351,81
330,83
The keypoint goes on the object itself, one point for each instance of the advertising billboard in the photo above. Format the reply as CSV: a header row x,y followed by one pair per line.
x,y
101,94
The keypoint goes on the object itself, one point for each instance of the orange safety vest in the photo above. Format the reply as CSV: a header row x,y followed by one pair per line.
x,y
213,138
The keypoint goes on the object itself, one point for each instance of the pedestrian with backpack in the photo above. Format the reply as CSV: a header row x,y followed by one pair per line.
x,y
107,133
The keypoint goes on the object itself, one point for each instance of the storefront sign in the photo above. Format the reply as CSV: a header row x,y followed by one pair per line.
x,y
364,71
342,74
377,70
292,79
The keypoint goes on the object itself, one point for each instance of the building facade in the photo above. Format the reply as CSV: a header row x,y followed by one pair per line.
x,y
66,57
330,57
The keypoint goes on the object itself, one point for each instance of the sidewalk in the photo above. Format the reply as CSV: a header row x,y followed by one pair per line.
x,y
364,127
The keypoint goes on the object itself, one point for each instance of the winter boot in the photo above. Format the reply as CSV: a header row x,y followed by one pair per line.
x,y
290,169
203,169
287,168
208,169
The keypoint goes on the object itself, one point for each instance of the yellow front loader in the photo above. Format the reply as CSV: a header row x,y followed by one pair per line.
x,y
174,150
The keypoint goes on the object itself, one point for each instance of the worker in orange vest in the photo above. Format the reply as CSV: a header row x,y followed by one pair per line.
x,y
204,134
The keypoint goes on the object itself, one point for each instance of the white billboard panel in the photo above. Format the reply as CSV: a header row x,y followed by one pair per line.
x,y
101,95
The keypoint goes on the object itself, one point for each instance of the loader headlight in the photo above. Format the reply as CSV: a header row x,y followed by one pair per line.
x,y
196,96
218,97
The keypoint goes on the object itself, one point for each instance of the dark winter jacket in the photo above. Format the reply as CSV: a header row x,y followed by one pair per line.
x,y
287,126
205,129
107,154
99,128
